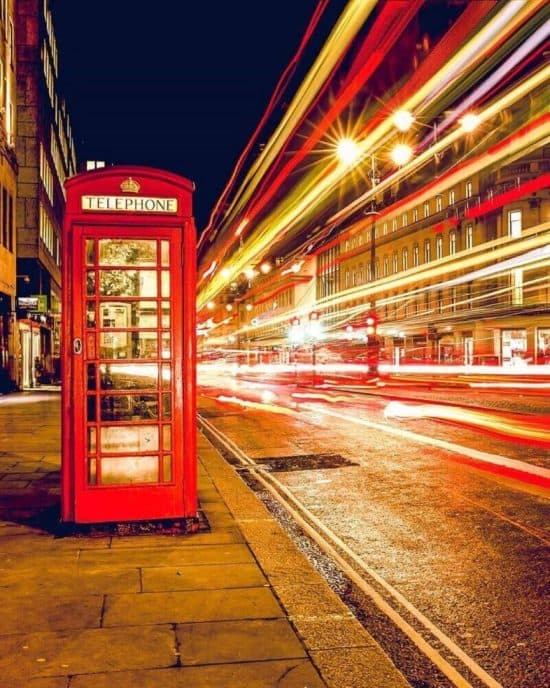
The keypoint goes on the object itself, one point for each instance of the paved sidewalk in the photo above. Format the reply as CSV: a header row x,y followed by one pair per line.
x,y
235,605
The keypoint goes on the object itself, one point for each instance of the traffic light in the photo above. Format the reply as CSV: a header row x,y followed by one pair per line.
x,y
372,323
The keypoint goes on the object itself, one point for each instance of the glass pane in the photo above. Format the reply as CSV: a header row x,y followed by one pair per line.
x,y
127,252
167,437
129,469
167,468
166,375
90,283
90,252
165,253
92,471
128,345
128,282
91,376
91,415
90,314
165,313
165,283
166,345
129,407
129,438
128,376
122,314
167,406
92,440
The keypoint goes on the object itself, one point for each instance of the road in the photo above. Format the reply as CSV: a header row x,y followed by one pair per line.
x,y
445,518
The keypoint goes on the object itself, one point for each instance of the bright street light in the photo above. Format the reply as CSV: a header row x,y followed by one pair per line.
x,y
401,154
469,122
403,120
347,151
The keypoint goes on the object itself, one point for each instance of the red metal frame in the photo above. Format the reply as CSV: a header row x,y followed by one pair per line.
x,y
174,495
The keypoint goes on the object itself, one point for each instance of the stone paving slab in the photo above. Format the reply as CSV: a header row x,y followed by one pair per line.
x,y
187,606
204,577
71,581
288,673
86,651
221,537
237,641
167,556
45,613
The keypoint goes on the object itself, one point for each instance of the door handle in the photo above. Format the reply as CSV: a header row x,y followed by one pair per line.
x,y
77,345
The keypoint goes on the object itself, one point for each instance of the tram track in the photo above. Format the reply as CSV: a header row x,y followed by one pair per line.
x,y
440,650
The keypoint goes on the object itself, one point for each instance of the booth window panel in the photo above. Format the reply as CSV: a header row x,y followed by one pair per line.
x,y
165,314
91,377
91,408
167,437
90,252
137,345
92,440
141,283
90,314
165,283
122,314
124,470
124,407
165,253
165,344
128,376
90,283
92,471
167,468
140,252
166,375
167,406
121,439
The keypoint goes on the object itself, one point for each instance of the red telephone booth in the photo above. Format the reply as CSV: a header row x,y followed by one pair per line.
x,y
128,347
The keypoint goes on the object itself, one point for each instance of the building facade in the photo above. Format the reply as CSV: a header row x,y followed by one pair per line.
x,y
8,187
46,157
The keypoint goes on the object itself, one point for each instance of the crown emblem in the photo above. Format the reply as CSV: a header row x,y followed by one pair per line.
x,y
130,186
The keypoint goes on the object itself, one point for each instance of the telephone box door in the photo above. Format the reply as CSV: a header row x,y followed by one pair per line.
x,y
127,363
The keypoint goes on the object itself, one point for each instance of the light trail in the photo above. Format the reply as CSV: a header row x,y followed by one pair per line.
x,y
534,474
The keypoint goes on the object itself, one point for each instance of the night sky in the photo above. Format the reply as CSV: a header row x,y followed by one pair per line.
x,y
175,84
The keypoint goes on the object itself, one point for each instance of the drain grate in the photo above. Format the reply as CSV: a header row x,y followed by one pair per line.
x,y
304,462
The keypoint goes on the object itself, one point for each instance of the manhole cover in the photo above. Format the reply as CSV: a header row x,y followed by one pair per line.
x,y
305,462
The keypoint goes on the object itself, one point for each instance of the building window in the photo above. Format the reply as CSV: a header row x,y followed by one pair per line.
x,y
395,262
361,273
404,220
415,214
517,287
394,225
386,266
452,243
452,197
369,273
453,299
469,192
416,256
405,258
385,228
427,251
469,236
377,269
426,208
439,247
438,203
347,278
514,223
439,301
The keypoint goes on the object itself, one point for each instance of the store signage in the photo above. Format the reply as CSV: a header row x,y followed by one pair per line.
x,y
37,303
137,204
